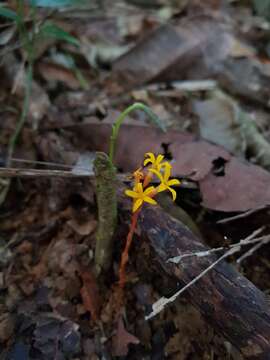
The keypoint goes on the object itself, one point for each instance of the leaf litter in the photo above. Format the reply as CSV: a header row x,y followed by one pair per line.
x,y
53,306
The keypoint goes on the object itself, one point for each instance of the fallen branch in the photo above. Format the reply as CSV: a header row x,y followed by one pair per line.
x,y
160,305
230,303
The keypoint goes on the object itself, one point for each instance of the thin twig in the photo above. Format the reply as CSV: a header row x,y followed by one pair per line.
x,y
35,173
159,305
240,216
252,250
74,173
32,173
48,163
251,239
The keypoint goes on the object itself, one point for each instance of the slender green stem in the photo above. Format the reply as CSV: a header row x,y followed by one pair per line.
x,y
121,118
23,33
24,38
25,109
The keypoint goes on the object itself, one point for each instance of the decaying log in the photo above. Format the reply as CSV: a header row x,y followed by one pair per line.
x,y
229,302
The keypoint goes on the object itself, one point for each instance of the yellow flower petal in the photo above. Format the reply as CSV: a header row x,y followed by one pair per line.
x,y
162,165
167,172
147,161
139,188
149,190
157,173
173,193
173,182
159,159
137,204
151,156
150,200
132,194
162,187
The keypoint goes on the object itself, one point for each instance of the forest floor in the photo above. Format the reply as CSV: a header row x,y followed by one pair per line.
x,y
204,70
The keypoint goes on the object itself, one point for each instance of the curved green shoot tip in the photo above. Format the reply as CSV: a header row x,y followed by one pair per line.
x,y
116,126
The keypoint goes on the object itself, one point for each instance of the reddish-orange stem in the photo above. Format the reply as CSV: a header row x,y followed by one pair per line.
x,y
124,257
147,179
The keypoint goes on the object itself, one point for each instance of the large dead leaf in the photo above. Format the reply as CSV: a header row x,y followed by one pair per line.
x,y
244,186
219,122
224,122
226,182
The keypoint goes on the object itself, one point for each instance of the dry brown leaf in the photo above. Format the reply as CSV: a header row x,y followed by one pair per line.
x,y
122,339
83,229
56,72
90,293
245,186
220,122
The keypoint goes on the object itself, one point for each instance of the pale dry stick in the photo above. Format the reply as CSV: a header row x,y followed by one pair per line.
x,y
36,173
47,163
159,305
189,86
253,249
240,216
32,173
80,172
251,239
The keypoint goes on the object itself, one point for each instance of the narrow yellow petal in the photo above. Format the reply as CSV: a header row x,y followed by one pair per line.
x,y
162,187
157,173
173,193
150,200
163,164
147,161
139,188
173,182
149,190
167,172
159,159
131,193
137,204
151,156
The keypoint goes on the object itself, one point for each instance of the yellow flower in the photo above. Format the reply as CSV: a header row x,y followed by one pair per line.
x,y
165,182
139,195
138,175
155,161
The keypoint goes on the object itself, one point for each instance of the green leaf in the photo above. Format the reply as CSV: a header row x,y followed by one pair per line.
x,y
56,3
7,13
51,30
